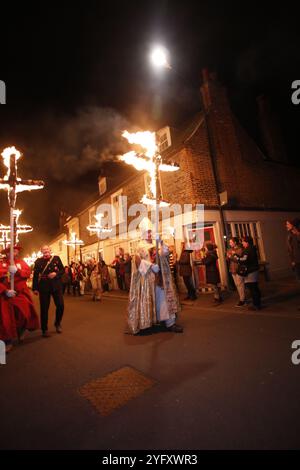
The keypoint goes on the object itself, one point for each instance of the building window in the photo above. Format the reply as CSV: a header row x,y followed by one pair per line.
x,y
117,207
133,246
92,220
251,229
164,138
102,184
60,245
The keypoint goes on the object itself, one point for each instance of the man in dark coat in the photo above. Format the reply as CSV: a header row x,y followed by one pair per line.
x,y
47,274
185,270
293,243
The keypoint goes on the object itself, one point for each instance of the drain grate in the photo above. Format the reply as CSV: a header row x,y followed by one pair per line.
x,y
114,390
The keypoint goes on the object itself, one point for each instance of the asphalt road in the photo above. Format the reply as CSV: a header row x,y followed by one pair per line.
x,y
227,382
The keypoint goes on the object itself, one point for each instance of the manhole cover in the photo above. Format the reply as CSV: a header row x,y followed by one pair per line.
x,y
115,389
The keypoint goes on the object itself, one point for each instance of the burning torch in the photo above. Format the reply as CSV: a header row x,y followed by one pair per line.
x,y
98,229
13,185
150,161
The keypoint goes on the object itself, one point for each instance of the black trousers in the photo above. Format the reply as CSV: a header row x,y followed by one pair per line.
x,y
64,287
188,281
121,281
255,293
45,298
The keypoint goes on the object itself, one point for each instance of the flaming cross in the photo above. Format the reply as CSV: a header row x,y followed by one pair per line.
x,y
13,185
20,228
151,161
5,229
98,229
74,242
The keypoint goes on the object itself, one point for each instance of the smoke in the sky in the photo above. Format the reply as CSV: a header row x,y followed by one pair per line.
x,y
67,152
65,148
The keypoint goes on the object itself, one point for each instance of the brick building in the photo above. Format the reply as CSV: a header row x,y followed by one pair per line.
x,y
216,157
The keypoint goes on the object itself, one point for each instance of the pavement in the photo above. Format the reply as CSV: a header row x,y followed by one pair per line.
x,y
227,382
278,295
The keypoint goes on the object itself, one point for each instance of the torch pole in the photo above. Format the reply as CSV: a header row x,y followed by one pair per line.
x,y
156,211
98,246
5,240
11,249
75,250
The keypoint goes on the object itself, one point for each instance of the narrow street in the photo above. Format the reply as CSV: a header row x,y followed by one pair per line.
x,y
226,382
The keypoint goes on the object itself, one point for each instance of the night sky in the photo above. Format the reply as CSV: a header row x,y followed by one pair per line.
x,y
77,75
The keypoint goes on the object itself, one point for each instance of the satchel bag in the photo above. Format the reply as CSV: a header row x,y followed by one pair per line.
x,y
242,270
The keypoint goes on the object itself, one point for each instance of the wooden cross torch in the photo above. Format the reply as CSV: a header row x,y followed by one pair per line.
x,y
151,161
98,229
18,228
13,185
74,242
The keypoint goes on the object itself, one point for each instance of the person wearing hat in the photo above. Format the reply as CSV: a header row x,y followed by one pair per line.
x,y
152,297
25,312
8,327
47,273
19,300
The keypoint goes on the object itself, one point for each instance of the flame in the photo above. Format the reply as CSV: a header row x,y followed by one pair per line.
x,y
17,213
6,154
24,228
73,240
147,162
25,187
152,202
31,259
19,187
145,139
98,217
167,167
97,227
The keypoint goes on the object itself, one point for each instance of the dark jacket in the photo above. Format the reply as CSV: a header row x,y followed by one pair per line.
x,y
212,270
293,243
185,268
250,259
44,284
127,266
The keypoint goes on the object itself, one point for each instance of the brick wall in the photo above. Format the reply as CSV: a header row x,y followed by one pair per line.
x,y
240,166
241,169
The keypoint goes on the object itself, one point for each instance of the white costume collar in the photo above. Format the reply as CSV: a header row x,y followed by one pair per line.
x,y
144,266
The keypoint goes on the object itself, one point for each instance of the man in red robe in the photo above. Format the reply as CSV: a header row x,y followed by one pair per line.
x,y
19,301
8,327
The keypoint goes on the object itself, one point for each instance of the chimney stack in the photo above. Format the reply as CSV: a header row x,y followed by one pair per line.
x,y
270,131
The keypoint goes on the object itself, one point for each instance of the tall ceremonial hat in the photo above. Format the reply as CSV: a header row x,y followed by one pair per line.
x,y
7,249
